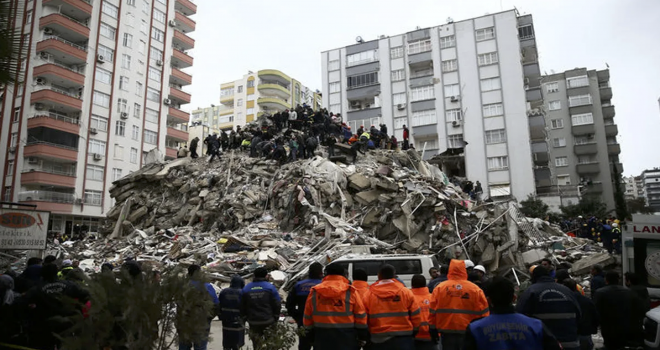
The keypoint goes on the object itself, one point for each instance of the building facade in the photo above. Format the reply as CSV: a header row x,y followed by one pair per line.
x,y
243,100
581,131
461,88
102,87
650,179
632,190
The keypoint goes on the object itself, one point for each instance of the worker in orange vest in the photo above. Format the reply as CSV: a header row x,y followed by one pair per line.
x,y
393,314
360,282
423,340
455,303
334,316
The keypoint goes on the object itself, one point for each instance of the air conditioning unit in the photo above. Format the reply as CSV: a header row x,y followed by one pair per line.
x,y
455,98
172,23
12,149
93,131
100,59
79,201
401,106
124,115
98,156
48,31
159,63
38,106
41,81
167,101
33,160
456,123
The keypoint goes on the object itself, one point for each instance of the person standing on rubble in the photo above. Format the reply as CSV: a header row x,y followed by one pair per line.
x,y
334,315
260,305
193,148
393,315
406,136
297,298
423,340
233,327
455,303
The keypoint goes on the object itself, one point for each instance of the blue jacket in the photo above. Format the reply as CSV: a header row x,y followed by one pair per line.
x,y
261,303
434,282
556,306
230,304
295,302
597,282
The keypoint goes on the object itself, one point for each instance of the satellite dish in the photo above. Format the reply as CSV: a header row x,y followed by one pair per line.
x,y
359,39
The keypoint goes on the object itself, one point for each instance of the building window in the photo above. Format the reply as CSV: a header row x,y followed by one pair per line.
x,y
455,141
7,193
153,94
400,122
552,87
251,97
120,128
556,123
131,2
363,80
108,31
156,54
14,139
453,115
128,40
17,114
398,75
135,135
123,83
96,146
452,90
490,84
447,41
488,58
101,99
150,137
422,93
399,98
586,159
159,15
151,115
559,142
226,92
498,163
110,9
126,61
554,105
577,81
361,57
563,180
155,74
485,34
138,88
10,168
561,161
526,32
103,76
122,105
239,102
582,119
493,110
93,197
142,46
134,155
116,174
157,35
137,110
250,83
424,117
335,87
95,172
240,89
333,65
419,46
99,123
396,52
335,108
449,65
28,18
107,53
580,100
495,136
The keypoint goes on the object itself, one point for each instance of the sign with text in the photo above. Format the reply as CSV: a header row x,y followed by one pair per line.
x,y
23,229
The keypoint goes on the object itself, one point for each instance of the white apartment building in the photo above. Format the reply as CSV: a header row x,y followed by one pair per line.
x,y
102,87
457,85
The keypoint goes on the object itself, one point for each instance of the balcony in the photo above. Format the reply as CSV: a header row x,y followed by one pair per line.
x,y
78,9
60,75
588,168
178,115
180,78
586,129
274,89
60,99
227,100
54,202
63,50
170,153
186,7
420,59
54,121
362,114
276,103
594,188
586,148
182,42
608,112
605,93
611,130
65,27
613,149
181,59
180,97
48,177
184,23
177,134
274,75
41,149
618,167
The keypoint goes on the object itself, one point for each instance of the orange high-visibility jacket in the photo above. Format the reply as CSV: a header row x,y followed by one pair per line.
x,y
423,298
362,287
391,310
334,304
456,301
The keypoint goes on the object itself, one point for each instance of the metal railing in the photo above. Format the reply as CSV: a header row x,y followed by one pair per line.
x,y
58,90
50,59
39,142
50,170
178,126
56,116
46,196
275,97
79,47
182,51
262,82
421,73
73,19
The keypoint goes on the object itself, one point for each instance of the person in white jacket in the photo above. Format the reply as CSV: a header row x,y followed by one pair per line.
x,y
293,116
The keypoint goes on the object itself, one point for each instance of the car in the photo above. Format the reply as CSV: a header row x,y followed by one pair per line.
x,y
406,265
652,329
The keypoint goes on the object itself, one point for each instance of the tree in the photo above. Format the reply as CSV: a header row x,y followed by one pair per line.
x,y
638,206
619,197
10,40
588,206
533,207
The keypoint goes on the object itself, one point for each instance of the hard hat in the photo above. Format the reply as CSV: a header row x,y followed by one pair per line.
x,y
468,264
480,268
67,262
580,217
615,225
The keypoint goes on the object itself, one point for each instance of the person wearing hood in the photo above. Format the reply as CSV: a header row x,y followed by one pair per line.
x,y
455,303
423,340
297,298
30,277
335,316
393,315
360,283
66,268
260,305
555,305
233,327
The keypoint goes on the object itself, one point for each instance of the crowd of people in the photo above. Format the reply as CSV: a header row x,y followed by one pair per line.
x,y
605,231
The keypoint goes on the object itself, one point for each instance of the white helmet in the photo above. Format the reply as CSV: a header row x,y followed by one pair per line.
x,y
615,225
480,268
469,264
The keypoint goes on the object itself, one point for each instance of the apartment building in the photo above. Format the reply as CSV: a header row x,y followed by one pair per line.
x,y
634,187
243,100
467,90
582,132
650,180
102,87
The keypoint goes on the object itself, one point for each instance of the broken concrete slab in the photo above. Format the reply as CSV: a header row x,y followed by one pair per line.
x,y
585,264
367,197
359,182
533,256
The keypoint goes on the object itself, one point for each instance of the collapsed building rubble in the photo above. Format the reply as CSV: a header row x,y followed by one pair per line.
x,y
244,212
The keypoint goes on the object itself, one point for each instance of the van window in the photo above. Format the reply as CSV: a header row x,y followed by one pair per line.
x,y
344,265
407,267
371,266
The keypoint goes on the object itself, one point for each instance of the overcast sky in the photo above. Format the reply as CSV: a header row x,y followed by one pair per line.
x,y
235,36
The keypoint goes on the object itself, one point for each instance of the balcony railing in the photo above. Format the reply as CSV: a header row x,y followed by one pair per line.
x,y
177,126
39,142
46,196
61,91
73,19
48,37
56,117
421,73
51,170
51,59
274,82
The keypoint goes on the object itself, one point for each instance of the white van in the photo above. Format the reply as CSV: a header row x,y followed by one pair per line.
x,y
406,265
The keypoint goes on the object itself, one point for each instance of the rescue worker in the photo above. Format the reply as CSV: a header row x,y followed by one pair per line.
x,y
199,339
193,148
615,235
423,339
455,303
233,327
360,283
588,323
406,136
553,304
260,305
393,314
295,302
505,329
182,152
66,268
335,316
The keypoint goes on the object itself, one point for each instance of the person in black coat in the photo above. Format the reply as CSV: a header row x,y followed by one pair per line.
x,y
597,280
633,283
193,148
588,323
